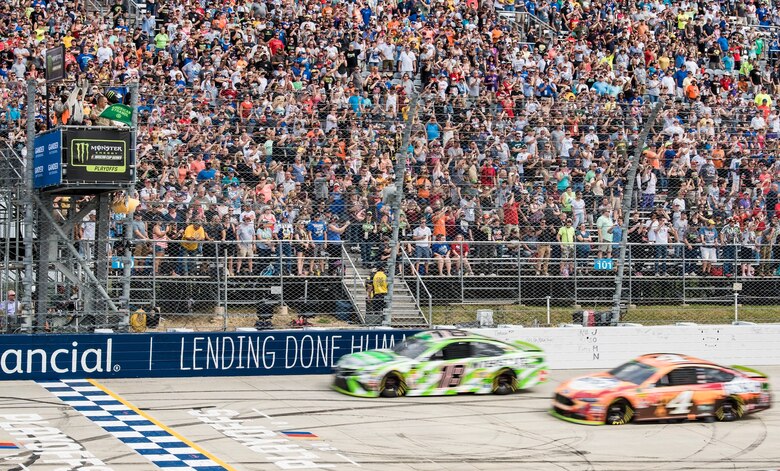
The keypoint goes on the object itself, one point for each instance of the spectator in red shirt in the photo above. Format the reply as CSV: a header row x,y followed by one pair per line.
x,y
460,252
511,215
488,173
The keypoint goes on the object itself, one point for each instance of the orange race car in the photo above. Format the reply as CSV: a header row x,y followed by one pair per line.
x,y
662,386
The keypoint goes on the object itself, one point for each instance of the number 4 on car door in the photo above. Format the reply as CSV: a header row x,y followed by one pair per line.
x,y
681,403
676,392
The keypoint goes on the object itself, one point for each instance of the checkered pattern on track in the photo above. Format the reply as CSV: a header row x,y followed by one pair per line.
x,y
146,438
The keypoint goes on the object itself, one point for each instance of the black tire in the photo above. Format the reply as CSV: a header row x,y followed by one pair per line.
x,y
729,410
392,386
619,412
505,382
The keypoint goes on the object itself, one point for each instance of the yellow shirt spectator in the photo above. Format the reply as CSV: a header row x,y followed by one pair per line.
x,y
380,283
193,232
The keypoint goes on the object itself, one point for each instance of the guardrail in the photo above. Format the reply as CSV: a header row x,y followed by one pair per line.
x,y
419,284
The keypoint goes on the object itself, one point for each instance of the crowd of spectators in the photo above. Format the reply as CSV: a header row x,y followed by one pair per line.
x,y
276,126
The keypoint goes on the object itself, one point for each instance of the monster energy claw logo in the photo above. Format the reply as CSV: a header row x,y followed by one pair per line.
x,y
80,152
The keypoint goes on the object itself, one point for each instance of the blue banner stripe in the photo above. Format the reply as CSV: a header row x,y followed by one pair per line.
x,y
199,354
148,440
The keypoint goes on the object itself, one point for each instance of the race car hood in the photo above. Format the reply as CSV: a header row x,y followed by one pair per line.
x,y
369,358
593,385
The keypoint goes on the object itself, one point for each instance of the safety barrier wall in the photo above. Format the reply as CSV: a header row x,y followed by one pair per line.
x,y
184,354
316,351
606,347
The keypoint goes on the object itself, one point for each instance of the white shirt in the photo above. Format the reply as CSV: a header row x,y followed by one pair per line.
x,y
420,232
88,228
407,61
662,235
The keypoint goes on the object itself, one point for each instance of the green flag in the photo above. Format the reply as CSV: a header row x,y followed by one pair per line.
x,y
118,112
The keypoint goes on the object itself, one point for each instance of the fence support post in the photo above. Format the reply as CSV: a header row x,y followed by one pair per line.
x,y
281,273
519,281
626,205
462,267
574,275
736,307
154,274
225,291
548,309
684,275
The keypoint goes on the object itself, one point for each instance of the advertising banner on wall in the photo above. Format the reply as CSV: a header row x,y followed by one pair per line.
x,y
47,159
100,156
33,357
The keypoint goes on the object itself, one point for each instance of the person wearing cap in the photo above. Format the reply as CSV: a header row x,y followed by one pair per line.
x,y
11,309
708,236
230,177
208,173
245,234
565,237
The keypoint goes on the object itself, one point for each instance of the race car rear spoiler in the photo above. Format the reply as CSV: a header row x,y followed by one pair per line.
x,y
750,371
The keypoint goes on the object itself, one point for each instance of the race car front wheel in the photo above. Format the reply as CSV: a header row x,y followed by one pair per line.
x,y
619,412
729,410
504,383
392,386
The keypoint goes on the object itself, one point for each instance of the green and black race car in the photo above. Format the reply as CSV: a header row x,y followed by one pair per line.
x,y
442,362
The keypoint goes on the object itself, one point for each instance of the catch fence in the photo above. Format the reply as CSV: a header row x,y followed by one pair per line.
x,y
207,289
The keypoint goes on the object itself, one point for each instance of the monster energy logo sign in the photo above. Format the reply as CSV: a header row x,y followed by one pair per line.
x,y
99,156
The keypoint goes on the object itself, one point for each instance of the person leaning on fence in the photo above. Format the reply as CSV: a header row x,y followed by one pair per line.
x,y
192,243
708,236
422,249
245,234
441,253
605,226
10,310
318,235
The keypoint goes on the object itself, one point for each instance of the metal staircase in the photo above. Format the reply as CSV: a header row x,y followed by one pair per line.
x,y
525,21
406,309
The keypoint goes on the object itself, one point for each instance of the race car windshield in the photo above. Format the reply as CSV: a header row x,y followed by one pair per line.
x,y
633,372
411,348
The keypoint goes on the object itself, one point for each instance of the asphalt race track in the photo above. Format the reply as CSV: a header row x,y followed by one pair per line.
x,y
270,423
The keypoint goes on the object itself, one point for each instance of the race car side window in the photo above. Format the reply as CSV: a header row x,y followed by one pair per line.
x,y
482,349
714,375
457,350
680,377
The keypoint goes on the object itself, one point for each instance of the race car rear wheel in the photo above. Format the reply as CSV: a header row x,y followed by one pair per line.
x,y
729,410
504,383
392,386
619,412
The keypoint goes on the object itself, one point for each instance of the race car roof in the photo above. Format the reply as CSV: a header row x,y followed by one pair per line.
x,y
667,359
440,334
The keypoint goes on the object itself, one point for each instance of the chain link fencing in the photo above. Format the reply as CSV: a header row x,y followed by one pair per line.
x,y
519,283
